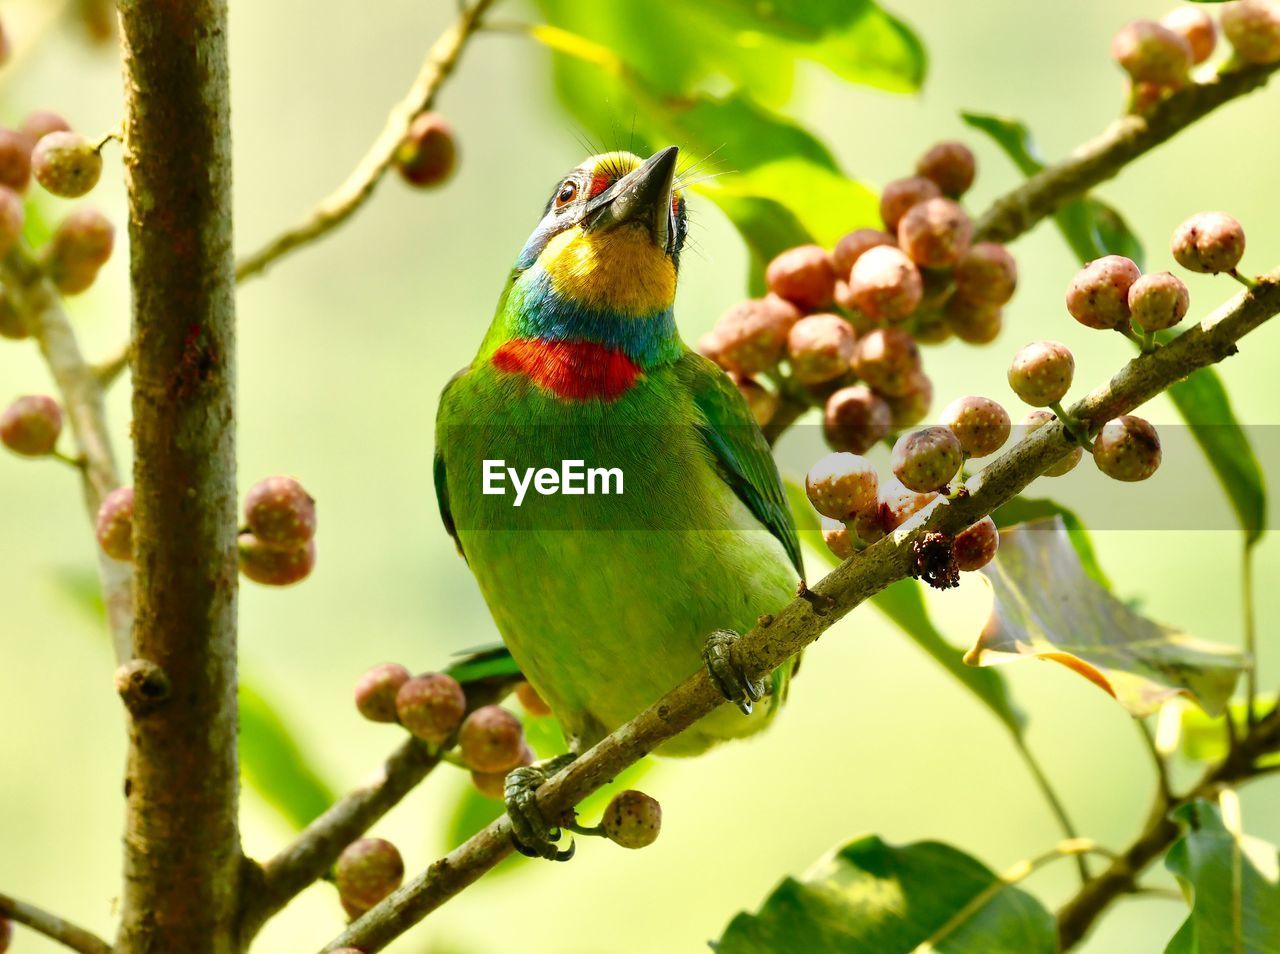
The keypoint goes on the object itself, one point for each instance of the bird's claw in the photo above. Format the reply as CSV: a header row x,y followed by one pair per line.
x,y
530,833
727,674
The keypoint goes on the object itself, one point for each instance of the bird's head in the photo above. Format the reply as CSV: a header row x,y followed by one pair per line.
x,y
611,234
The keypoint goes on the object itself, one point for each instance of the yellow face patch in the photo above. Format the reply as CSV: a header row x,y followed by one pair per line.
x,y
620,270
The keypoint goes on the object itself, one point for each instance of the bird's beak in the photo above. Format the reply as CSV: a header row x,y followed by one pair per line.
x,y
642,196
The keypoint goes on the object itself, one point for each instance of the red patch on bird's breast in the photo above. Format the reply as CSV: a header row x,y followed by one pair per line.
x,y
574,370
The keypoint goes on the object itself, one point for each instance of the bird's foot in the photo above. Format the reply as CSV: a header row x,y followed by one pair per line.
x,y
530,833
727,674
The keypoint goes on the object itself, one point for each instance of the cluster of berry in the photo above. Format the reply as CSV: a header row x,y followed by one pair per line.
x,y
847,324
1158,56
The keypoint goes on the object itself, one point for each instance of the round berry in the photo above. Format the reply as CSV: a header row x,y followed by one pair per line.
x,y
491,740
753,334
980,423
927,459
431,706
902,195
897,505
855,419
1041,372
850,248
803,275
12,215
936,233
1158,301
1196,27
987,274
113,525
30,426
840,485
951,165
931,328
976,546
888,359
38,124
911,408
84,237
493,784
1039,418
280,513
1152,53
376,691
12,324
837,538
428,153
66,164
15,160
272,565
1127,448
1208,242
819,348
762,402
533,703
1098,296
366,872
974,322
1252,27
632,819
885,284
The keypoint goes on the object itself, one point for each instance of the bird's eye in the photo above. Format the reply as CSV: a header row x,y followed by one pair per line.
x,y
568,192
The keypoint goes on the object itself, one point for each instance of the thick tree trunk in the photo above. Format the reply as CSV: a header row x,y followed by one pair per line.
x,y
182,847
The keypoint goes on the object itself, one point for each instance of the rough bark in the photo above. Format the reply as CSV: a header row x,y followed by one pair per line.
x,y
182,849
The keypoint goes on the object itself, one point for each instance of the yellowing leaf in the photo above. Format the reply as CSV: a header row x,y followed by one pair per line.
x,y
1047,607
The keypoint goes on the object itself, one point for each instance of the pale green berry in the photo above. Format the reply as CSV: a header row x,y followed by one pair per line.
x,y
841,484
632,819
1158,301
1041,373
981,424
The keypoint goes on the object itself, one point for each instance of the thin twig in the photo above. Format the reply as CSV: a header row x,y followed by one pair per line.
x,y
763,649
53,927
1157,759
339,205
1056,805
110,368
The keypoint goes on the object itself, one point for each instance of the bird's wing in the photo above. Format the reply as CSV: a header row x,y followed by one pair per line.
x,y
746,464
438,471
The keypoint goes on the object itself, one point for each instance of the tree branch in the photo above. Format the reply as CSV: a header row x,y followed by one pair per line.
x,y
804,619
342,203
53,927
182,846
35,299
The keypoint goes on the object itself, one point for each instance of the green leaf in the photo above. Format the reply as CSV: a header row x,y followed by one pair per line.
x,y
1203,738
873,896
1232,882
1091,227
1047,607
274,764
1025,509
904,605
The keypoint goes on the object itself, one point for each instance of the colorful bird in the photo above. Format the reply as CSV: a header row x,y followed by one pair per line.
x,y
607,588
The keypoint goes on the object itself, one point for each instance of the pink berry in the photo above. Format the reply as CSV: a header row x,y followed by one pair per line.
x,y
428,154
976,546
855,419
114,524
533,703
80,246
753,334
1041,372
762,402
271,565
280,513
819,348
632,819
1208,242
38,124
888,360
1039,418
850,248
803,275
66,164
1098,296
974,322
494,784
491,740
902,195
951,165
12,215
1252,27
897,505
1152,53
936,234
912,407
980,423
431,706
837,538
840,485
885,284
376,691
30,426
927,459
1158,301
987,274
1196,27
366,872
1127,448
15,160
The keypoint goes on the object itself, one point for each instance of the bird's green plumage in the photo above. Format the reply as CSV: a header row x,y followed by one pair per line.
x,y
605,601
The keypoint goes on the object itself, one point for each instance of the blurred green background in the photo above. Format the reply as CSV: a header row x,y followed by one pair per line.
x,y
343,351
